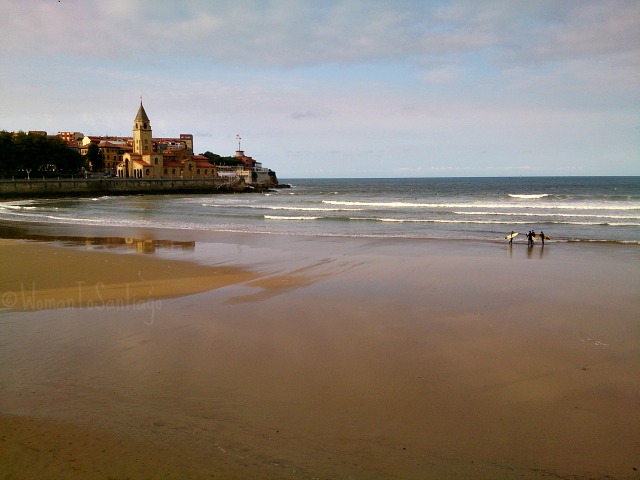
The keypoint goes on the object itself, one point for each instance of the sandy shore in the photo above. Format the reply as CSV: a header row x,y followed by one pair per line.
x,y
253,356
40,276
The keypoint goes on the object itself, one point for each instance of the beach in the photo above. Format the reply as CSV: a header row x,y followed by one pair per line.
x,y
251,355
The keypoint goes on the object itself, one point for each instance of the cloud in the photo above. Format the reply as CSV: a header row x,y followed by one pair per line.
x,y
447,74
308,114
284,33
593,29
335,79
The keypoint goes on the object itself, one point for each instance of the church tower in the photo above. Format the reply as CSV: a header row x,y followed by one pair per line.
x,y
142,143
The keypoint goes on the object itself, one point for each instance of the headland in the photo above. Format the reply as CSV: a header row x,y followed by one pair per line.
x,y
43,188
71,163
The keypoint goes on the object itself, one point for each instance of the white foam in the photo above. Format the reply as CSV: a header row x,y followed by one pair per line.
x,y
285,207
433,220
18,207
567,215
575,206
278,217
528,195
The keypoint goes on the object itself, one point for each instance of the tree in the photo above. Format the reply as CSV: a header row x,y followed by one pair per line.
x,y
28,155
7,153
63,158
216,159
21,154
94,158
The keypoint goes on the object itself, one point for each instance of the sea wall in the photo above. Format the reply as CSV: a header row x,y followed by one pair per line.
x,y
114,186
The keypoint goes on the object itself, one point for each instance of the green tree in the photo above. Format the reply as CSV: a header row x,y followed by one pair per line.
x,y
216,159
22,155
28,156
95,158
7,153
64,159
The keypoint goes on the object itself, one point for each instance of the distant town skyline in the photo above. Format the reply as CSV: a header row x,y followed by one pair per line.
x,y
340,88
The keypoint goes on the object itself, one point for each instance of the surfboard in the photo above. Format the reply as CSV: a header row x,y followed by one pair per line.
x,y
540,236
511,235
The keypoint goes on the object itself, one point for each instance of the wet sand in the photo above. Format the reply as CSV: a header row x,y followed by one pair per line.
x,y
256,356
40,276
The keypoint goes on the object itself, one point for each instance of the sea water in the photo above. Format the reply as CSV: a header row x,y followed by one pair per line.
x,y
567,209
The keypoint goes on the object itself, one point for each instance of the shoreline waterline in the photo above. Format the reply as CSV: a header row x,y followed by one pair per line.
x,y
67,233
566,209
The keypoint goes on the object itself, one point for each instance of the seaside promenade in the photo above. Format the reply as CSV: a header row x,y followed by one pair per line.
x,y
44,187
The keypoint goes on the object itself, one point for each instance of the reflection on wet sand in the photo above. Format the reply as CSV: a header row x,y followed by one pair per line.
x,y
139,245
80,278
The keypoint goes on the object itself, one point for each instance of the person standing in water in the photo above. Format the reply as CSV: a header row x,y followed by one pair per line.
x,y
542,237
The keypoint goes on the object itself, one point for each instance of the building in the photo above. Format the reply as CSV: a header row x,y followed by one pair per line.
x,y
112,152
71,137
143,156
160,157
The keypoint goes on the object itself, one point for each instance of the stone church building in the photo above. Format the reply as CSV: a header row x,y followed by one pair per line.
x,y
147,160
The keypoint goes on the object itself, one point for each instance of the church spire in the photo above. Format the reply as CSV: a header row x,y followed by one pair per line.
x,y
142,115
142,135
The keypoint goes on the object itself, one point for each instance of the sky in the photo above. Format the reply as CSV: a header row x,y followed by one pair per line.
x,y
340,88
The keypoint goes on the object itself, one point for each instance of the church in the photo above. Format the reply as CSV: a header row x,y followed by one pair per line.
x,y
161,158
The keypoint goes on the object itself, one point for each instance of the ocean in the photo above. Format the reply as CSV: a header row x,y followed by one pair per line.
x,y
567,209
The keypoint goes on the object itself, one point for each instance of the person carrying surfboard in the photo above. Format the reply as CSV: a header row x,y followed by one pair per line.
x,y
511,236
530,238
